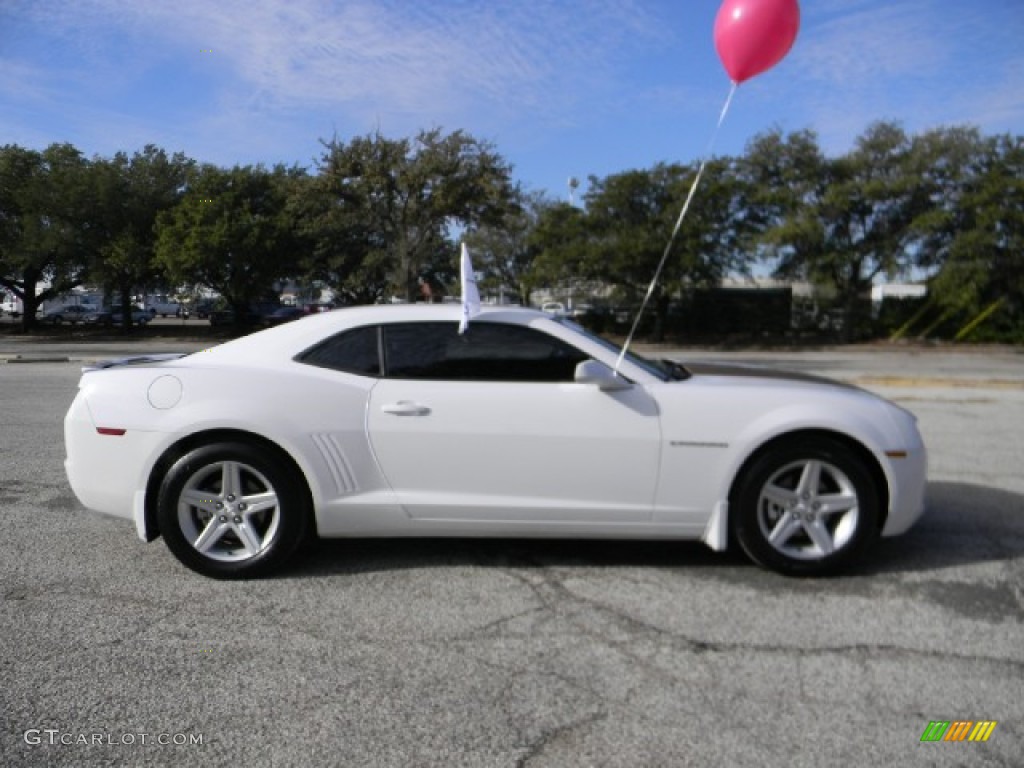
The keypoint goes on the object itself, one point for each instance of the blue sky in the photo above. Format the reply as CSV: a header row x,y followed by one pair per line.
x,y
561,87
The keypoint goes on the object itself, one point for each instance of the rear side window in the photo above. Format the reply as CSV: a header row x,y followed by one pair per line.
x,y
355,351
486,352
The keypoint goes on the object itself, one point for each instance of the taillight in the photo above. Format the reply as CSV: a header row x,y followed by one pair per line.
x,y
111,431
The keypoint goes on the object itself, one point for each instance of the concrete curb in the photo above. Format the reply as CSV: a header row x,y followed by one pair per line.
x,y
910,382
20,359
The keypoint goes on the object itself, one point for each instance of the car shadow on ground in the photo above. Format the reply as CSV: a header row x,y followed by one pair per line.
x,y
964,525
348,556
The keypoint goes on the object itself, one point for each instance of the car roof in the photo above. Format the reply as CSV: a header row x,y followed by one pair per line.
x,y
285,341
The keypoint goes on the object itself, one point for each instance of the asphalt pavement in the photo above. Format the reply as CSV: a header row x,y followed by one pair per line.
x,y
521,653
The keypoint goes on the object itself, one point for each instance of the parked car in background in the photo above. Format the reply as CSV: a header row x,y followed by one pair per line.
x,y
226,316
71,313
581,310
139,316
283,315
555,308
98,317
114,316
161,305
204,307
255,314
10,304
312,309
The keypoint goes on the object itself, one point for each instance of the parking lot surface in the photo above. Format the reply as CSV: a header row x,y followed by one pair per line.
x,y
521,653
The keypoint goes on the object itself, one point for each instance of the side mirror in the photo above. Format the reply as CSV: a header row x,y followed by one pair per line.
x,y
599,374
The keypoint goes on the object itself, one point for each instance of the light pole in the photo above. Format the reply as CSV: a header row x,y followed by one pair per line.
x,y
574,184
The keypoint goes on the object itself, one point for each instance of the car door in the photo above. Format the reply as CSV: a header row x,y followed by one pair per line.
x,y
490,426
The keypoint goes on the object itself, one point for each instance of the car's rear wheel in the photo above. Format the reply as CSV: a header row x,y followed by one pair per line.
x,y
806,508
232,510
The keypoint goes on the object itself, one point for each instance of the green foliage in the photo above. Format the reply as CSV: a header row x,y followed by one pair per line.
x,y
561,238
45,222
230,232
844,222
129,194
380,218
621,237
505,252
985,257
380,215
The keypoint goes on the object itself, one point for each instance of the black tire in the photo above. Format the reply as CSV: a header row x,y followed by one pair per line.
x,y
251,507
806,507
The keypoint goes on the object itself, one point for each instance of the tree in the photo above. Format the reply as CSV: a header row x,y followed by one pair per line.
x,y
948,161
785,175
389,206
339,247
44,223
628,224
505,252
561,240
131,192
858,222
231,232
984,264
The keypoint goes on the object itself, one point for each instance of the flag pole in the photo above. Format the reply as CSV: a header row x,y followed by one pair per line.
x,y
470,292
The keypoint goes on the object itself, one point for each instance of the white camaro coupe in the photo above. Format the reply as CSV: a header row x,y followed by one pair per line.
x,y
385,421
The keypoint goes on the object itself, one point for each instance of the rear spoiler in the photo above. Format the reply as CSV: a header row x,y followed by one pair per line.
x,y
134,360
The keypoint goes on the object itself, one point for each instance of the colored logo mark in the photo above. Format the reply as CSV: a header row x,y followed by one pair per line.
x,y
958,730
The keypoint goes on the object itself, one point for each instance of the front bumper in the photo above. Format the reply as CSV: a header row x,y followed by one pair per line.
x,y
908,478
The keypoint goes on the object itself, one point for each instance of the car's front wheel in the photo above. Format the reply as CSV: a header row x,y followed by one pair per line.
x,y
806,507
232,510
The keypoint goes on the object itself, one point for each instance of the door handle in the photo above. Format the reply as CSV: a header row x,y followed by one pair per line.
x,y
405,408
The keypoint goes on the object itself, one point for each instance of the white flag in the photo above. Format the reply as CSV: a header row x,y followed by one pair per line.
x,y
470,294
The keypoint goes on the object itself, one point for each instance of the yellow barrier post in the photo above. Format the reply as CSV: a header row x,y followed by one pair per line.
x,y
898,333
966,330
941,319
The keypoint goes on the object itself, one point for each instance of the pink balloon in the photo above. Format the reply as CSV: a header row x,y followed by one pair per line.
x,y
752,36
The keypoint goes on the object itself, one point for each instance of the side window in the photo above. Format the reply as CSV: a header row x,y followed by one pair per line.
x,y
354,351
486,352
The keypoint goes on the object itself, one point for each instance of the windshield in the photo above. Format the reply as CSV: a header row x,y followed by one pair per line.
x,y
665,370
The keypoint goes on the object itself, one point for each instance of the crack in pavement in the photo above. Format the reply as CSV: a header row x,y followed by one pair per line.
x,y
547,737
559,592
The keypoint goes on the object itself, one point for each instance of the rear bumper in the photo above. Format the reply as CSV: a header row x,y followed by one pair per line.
x,y
106,472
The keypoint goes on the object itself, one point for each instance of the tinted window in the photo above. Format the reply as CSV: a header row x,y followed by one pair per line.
x,y
486,352
354,351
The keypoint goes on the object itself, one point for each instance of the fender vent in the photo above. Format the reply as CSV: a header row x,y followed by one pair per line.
x,y
334,457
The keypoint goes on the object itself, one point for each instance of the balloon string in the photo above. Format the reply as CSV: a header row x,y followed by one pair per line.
x,y
675,230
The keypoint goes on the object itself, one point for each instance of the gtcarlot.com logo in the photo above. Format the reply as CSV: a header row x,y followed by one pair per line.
x,y
55,737
958,730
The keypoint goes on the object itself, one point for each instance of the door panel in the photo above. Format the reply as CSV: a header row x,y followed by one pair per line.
x,y
514,451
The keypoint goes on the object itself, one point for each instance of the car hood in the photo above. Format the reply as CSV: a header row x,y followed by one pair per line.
x,y
700,369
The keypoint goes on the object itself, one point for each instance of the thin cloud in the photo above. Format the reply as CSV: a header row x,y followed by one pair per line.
x,y
1000,106
434,59
919,62
866,46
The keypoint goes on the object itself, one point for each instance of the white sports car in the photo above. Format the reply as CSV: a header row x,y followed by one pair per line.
x,y
385,421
